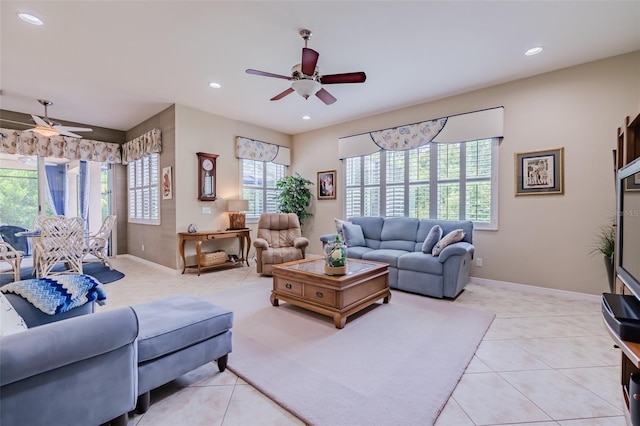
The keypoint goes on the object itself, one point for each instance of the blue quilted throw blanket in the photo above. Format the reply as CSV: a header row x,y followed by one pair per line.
x,y
60,293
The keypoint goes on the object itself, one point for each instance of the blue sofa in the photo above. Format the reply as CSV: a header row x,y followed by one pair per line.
x,y
399,242
85,368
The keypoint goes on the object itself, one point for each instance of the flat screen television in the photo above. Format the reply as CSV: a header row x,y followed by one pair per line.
x,y
628,229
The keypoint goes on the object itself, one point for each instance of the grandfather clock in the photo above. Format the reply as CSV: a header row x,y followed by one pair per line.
x,y
206,176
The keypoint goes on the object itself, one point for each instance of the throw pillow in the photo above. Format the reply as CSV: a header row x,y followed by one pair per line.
x,y
353,235
340,227
434,235
10,320
452,237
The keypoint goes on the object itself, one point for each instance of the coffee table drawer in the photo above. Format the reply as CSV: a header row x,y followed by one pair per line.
x,y
288,286
320,295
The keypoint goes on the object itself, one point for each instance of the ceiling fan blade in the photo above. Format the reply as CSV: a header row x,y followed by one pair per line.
x,y
67,133
325,96
349,77
72,129
39,121
309,61
267,74
282,95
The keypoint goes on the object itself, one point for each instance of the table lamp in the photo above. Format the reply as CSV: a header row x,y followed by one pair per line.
x,y
236,210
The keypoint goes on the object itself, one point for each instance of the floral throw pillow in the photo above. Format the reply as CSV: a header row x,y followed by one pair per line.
x,y
340,227
10,321
452,237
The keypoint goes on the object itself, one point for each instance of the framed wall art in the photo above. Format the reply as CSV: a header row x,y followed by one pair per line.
x,y
540,172
327,185
167,184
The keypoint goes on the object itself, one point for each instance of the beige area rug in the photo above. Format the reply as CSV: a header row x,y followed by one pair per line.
x,y
392,364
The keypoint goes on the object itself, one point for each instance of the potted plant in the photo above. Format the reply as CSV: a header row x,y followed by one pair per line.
x,y
605,244
294,196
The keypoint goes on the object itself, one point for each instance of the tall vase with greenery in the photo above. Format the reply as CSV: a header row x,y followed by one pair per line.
x,y
605,244
295,196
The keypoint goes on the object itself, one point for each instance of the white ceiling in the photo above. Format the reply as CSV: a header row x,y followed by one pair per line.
x,y
116,63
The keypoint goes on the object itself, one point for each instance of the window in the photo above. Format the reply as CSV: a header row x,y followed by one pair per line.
x,y
144,190
259,185
454,181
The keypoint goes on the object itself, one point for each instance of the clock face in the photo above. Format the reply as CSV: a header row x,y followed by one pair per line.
x,y
207,165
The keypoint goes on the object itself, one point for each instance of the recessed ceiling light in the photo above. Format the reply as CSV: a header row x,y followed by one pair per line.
x,y
534,51
306,117
215,85
30,19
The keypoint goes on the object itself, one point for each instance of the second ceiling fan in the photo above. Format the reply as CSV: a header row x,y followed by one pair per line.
x,y
306,78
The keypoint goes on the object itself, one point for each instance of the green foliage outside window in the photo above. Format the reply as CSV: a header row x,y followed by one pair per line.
x,y
18,197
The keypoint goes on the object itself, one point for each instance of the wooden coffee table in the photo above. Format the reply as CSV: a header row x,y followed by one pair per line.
x,y
303,283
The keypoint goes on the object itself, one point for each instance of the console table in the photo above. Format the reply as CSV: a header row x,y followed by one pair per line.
x,y
243,236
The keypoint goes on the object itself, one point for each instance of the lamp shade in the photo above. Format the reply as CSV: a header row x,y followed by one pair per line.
x,y
238,205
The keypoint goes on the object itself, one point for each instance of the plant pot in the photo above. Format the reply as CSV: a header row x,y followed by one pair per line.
x,y
608,263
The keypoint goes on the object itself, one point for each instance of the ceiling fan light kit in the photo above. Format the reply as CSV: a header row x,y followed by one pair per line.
x,y
306,78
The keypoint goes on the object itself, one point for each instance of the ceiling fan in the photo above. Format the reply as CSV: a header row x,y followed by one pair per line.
x,y
47,127
306,78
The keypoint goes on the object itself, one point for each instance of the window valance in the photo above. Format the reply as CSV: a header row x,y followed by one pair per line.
x,y
149,143
252,149
470,126
32,143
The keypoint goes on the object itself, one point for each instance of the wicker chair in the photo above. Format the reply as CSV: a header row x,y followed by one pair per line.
x,y
11,256
279,240
98,244
60,240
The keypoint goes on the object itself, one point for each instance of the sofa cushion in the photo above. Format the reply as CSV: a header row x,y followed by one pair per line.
x,y
10,320
420,262
170,324
452,237
371,227
435,234
388,256
353,235
357,252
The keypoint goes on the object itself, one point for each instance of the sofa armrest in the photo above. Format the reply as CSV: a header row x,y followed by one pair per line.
x,y
261,243
328,238
301,242
58,344
456,249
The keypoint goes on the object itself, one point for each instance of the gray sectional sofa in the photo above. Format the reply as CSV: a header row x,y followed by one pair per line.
x,y
85,368
399,243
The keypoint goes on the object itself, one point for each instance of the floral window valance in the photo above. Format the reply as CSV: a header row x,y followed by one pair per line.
x,y
149,143
476,125
32,143
252,149
409,136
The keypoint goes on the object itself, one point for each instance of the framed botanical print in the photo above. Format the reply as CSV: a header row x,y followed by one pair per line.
x,y
327,185
167,184
540,172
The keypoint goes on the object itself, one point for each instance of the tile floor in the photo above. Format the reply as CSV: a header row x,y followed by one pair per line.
x,y
546,360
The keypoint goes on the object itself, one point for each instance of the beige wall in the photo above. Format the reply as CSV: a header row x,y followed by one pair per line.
x,y
542,240
199,131
159,240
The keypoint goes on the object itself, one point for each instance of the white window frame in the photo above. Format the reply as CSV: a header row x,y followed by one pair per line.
x,y
143,189
265,191
380,182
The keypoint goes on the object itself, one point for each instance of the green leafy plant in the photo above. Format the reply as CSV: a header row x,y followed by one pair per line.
x,y
295,196
605,241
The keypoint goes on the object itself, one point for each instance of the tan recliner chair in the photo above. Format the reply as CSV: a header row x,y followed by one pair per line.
x,y
279,240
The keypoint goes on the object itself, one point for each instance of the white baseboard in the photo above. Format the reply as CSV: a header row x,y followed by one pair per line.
x,y
535,289
147,262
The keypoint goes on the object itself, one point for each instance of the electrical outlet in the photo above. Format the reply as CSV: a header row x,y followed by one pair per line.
x,y
479,262
206,210
143,247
